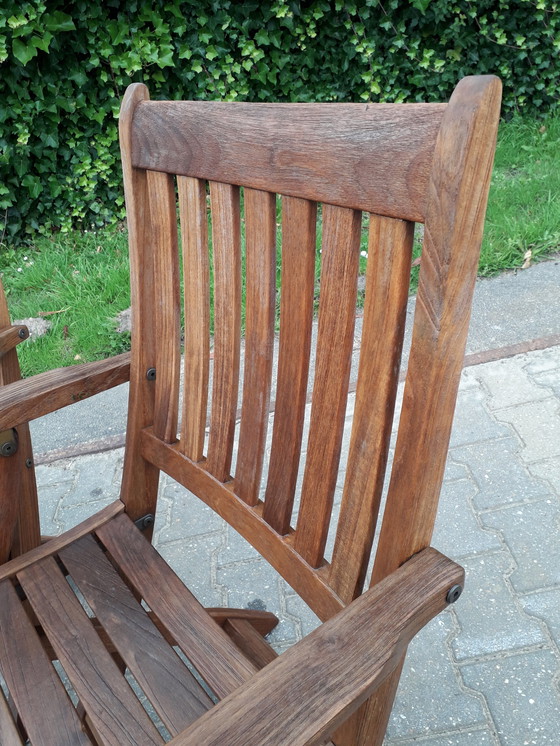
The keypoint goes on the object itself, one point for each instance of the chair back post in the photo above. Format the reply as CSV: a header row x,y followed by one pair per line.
x,y
140,478
455,211
19,510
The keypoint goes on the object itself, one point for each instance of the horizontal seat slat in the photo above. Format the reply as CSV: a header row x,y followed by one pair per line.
x,y
203,641
46,711
115,712
174,692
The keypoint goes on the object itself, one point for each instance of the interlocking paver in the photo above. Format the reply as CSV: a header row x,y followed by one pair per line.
x,y
491,620
531,532
520,693
509,383
499,474
538,425
433,699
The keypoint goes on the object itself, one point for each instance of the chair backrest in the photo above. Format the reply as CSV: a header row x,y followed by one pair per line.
x,y
401,164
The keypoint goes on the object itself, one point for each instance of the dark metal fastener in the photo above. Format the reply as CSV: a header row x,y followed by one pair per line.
x,y
29,462
453,593
151,374
8,448
145,522
22,333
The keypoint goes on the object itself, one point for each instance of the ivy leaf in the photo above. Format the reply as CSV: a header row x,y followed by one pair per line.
x,y
23,52
59,21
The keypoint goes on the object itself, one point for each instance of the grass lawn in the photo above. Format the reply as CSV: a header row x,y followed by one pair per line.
x,y
79,281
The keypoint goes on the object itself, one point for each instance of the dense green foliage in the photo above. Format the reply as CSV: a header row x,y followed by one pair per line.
x,y
65,66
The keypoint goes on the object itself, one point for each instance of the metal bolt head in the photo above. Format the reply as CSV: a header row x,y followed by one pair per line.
x,y
151,374
8,448
22,334
29,462
453,593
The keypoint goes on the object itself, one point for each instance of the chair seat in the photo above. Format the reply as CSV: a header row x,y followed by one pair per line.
x,y
102,602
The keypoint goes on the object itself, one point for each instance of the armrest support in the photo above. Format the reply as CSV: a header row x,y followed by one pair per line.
x,y
34,397
305,694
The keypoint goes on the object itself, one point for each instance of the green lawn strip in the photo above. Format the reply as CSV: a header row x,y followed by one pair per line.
x,y
79,281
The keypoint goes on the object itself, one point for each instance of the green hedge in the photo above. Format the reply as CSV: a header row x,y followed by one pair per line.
x,y
65,66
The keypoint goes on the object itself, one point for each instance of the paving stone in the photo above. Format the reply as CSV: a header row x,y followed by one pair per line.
x,y
543,361
472,422
430,698
69,514
298,611
522,698
509,383
61,471
538,425
550,379
187,515
531,532
50,496
546,606
457,531
455,470
191,560
499,473
96,479
472,737
488,614
549,471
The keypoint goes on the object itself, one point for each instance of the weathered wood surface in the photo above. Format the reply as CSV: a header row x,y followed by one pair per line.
x,y
11,336
28,399
372,157
301,697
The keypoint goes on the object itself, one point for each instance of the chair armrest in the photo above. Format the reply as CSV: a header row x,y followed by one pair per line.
x,y
34,397
306,693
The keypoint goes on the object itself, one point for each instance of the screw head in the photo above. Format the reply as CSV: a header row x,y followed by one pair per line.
x,y
151,374
29,462
9,448
22,334
453,593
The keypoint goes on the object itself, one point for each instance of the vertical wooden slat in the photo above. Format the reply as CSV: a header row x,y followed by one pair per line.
x,y
337,311
260,299
19,511
194,237
226,247
44,706
167,307
140,478
109,702
387,283
299,218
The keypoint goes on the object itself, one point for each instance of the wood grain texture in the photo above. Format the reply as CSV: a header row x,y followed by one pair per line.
x,y
53,545
387,283
373,157
263,621
110,704
19,509
173,691
203,641
167,304
299,218
260,302
303,695
9,735
310,584
457,198
140,479
196,279
226,246
335,340
248,640
11,336
47,392
40,698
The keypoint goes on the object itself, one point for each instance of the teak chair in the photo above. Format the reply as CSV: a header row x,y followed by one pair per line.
x,y
402,164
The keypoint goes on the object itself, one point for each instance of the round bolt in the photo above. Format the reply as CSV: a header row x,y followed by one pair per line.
x,y
151,374
22,334
29,462
453,593
146,522
8,448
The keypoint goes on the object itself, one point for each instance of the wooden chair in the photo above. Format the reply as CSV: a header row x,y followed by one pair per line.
x,y
425,163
